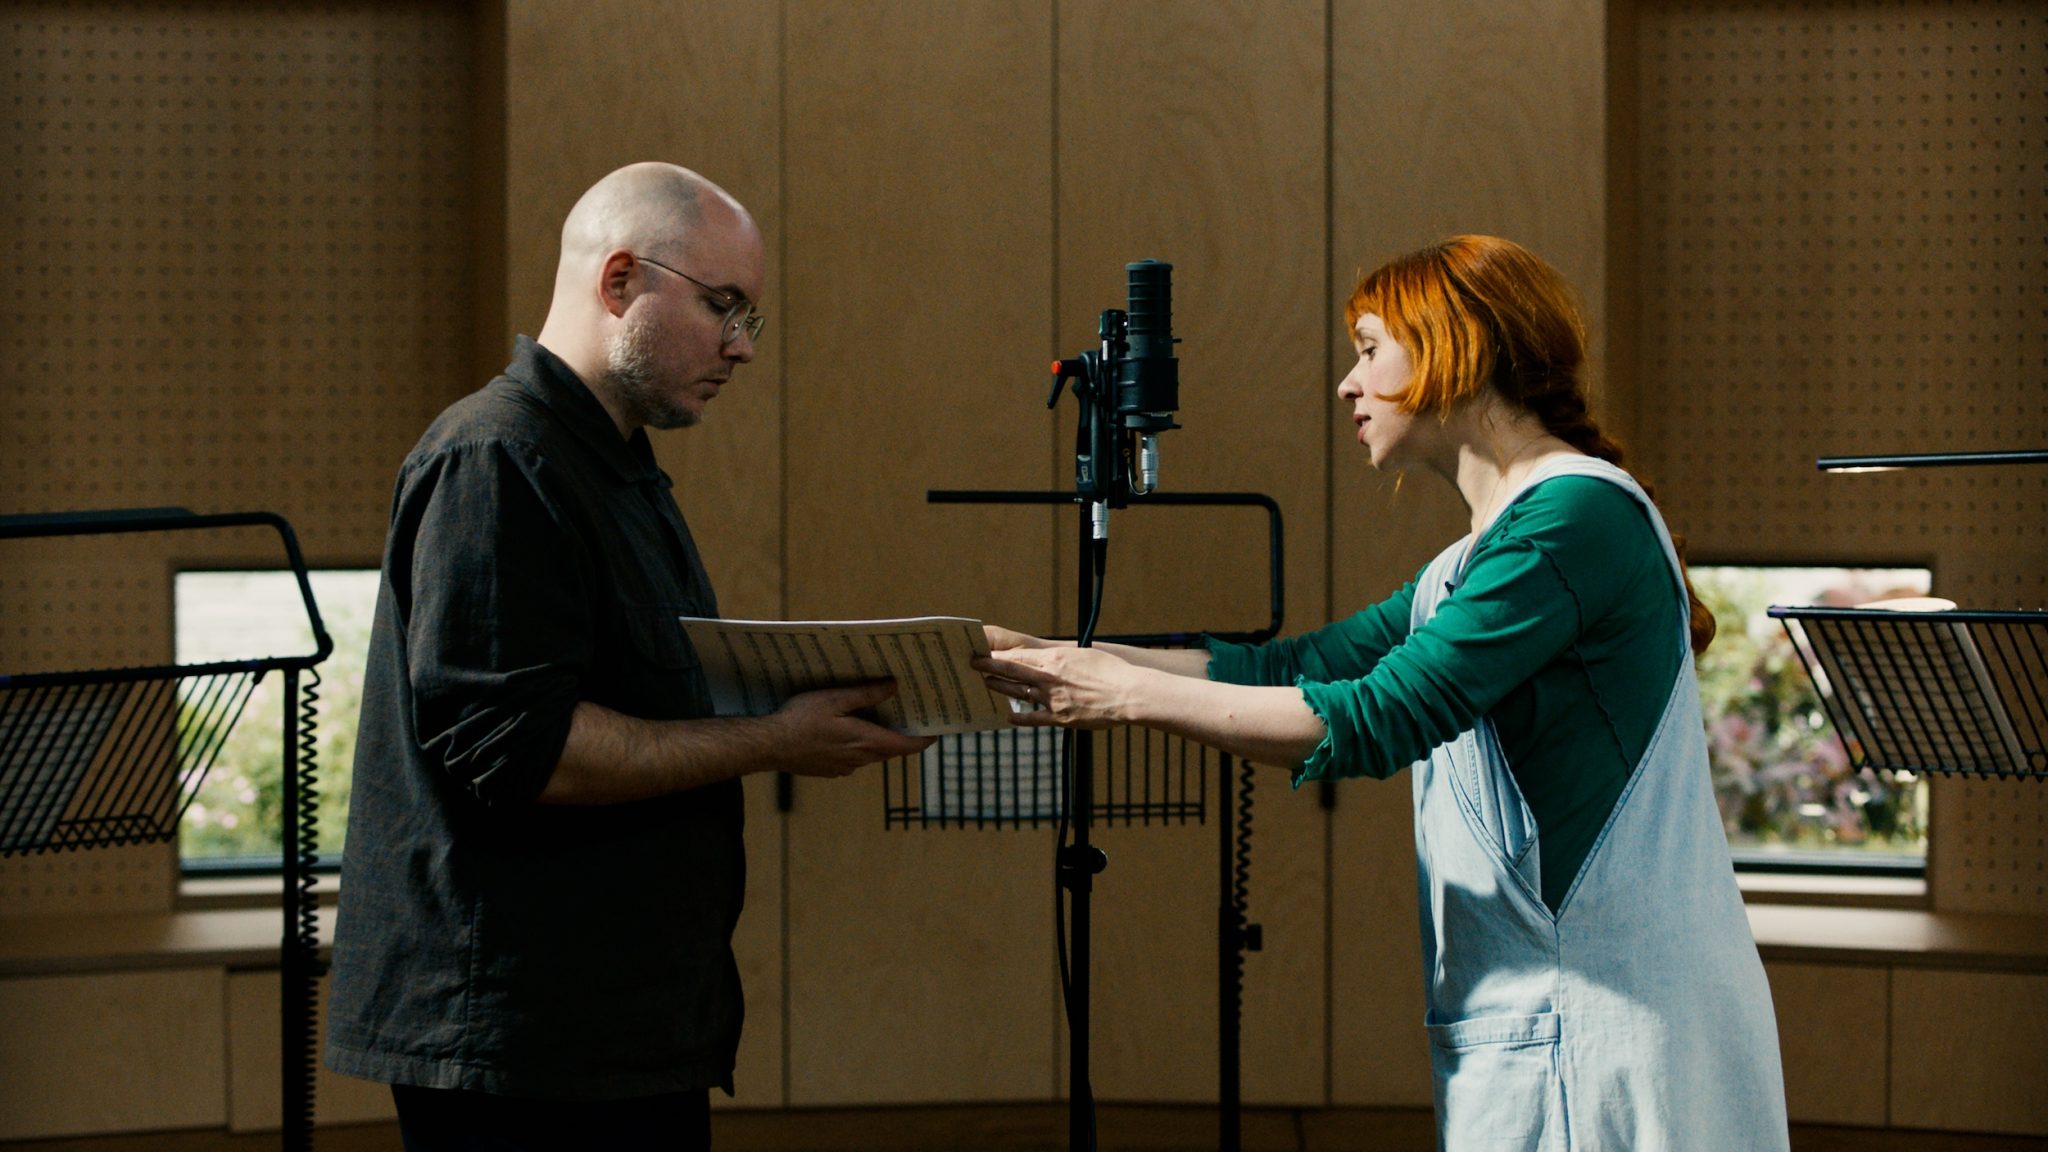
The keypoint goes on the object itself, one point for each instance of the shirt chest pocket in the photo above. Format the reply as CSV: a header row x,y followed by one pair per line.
x,y
663,678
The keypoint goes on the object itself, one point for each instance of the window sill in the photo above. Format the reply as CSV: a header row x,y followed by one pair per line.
x,y
1833,890
215,893
1882,920
219,938
1899,937
248,937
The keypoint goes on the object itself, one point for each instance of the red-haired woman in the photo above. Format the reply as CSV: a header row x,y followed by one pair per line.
x,y
1591,978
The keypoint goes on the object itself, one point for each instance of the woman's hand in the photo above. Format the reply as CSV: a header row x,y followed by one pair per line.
x,y
1002,639
1072,687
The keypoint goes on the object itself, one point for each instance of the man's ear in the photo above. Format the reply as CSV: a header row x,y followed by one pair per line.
x,y
615,287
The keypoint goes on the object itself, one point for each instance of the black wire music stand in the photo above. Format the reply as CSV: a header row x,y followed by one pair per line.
x,y
1958,693
1016,779
114,756
1955,692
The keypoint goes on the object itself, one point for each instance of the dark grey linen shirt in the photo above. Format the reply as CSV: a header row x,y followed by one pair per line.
x,y
484,941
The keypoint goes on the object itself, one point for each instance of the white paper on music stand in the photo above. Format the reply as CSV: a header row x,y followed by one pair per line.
x,y
998,776
1931,698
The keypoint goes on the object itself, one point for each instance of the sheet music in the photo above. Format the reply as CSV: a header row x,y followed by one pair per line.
x,y
752,666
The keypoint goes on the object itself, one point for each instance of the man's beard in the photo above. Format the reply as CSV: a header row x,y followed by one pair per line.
x,y
636,381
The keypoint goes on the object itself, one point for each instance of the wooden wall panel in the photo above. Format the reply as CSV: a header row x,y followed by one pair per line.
x,y
1834,205
587,91
255,1087
137,878
757,945
236,251
1154,1034
235,236
1832,200
1990,849
1472,116
1966,1051
1832,1033
1379,1054
1467,117
1194,134
117,1052
918,169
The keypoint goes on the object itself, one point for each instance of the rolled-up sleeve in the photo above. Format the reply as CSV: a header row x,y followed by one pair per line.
x,y
1345,650
1513,614
1341,652
496,622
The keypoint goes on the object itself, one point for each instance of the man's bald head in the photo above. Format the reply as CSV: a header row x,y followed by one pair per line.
x,y
650,208
653,256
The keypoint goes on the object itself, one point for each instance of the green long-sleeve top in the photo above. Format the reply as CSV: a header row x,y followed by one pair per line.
x,y
1565,631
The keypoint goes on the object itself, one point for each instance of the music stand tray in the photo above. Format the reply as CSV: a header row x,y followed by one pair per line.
x,y
1945,693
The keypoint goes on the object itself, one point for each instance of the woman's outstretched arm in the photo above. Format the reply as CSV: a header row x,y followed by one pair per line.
x,y
1095,688
1179,661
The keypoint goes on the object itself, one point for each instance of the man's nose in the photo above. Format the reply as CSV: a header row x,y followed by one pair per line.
x,y
740,347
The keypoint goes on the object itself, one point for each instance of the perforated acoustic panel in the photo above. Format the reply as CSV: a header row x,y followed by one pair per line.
x,y
1840,252
235,240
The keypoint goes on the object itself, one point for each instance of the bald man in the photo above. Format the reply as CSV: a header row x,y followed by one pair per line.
x,y
544,863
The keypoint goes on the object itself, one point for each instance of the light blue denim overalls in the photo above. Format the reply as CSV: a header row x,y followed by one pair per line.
x,y
1637,1018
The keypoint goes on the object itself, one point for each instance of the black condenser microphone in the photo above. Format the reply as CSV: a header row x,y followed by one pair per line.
x,y
1148,379
1129,389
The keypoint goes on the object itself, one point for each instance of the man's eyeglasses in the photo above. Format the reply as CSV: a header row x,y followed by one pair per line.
x,y
740,312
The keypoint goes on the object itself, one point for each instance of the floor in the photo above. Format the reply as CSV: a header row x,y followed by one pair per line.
x,y
1038,1128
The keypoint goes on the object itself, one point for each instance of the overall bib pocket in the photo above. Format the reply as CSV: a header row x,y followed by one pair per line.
x,y
1497,1084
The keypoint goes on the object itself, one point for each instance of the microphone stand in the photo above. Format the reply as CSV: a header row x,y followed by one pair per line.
x,y
1100,481
1076,867
1128,388
1077,864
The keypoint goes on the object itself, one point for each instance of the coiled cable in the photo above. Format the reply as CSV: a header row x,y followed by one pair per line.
x,y
1235,937
300,963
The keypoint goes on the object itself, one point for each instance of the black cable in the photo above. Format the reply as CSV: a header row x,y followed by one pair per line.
x,y
1095,609
1059,891
1059,887
301,960
1241,888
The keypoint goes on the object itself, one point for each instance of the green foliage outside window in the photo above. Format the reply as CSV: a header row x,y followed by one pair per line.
x,y
1780,775
237,813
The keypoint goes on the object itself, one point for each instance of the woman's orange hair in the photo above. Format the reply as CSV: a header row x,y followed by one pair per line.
x,y
1479,311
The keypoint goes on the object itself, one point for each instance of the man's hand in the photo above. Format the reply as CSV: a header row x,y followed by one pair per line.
x,y
611,758
825,737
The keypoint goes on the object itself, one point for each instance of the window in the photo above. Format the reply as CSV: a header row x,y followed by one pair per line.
x,y
1788,798
235,819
